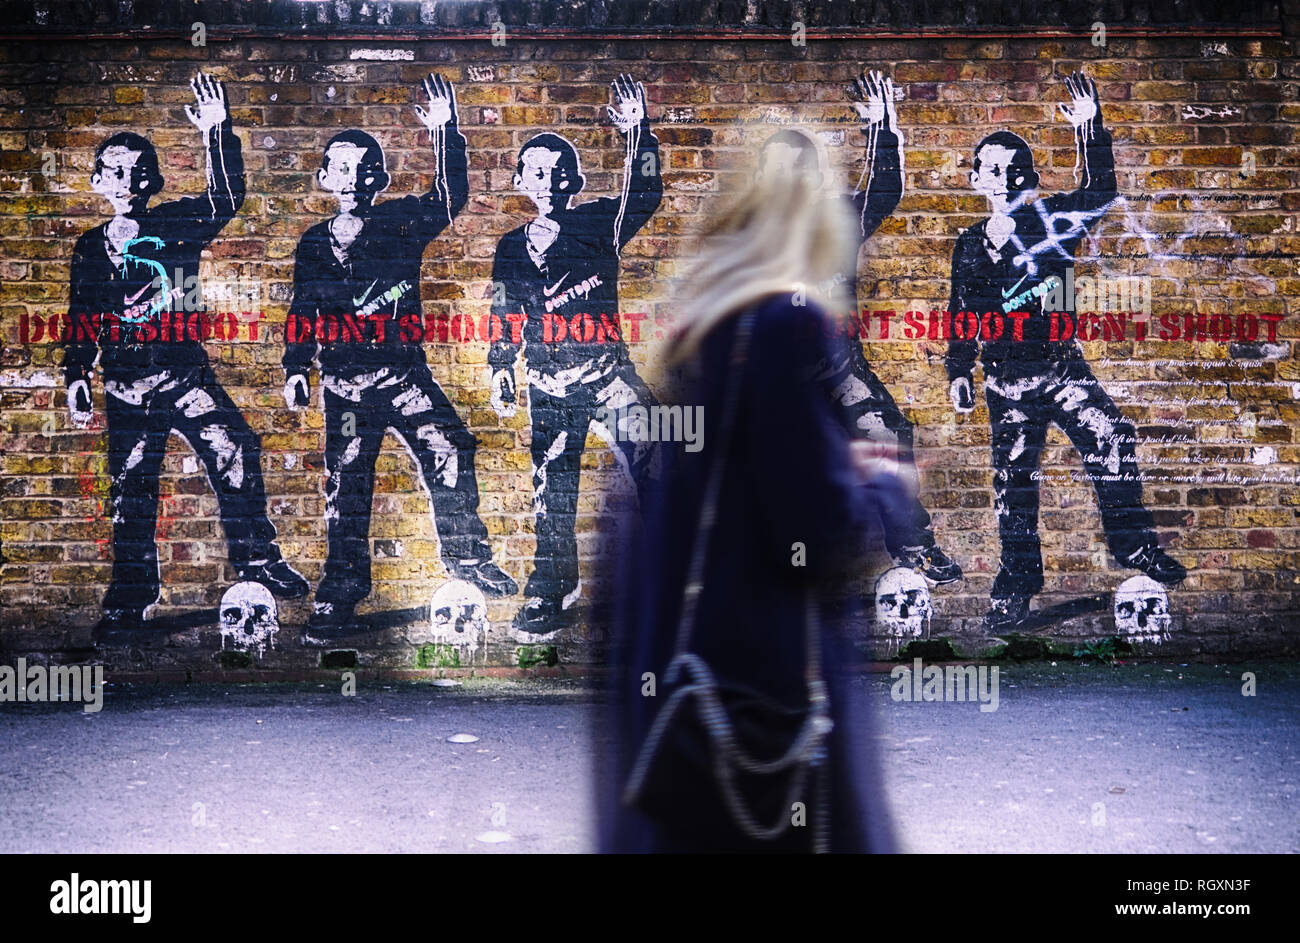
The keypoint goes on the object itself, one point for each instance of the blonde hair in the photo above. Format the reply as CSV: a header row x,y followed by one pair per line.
x,y
781,235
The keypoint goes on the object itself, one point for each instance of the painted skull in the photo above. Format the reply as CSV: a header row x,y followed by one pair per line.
x,y
248,617
902,603
458,613
1142,610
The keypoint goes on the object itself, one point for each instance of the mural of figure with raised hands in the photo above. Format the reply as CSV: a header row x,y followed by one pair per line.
x,y
156,383
1013,262
356,310
558,275
868,410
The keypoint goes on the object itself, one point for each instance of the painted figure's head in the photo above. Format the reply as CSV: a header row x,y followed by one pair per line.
x,y
549,172
1003,170
789,152
126,172
352,169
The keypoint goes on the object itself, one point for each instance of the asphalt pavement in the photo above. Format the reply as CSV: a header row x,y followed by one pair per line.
x,y
1076,758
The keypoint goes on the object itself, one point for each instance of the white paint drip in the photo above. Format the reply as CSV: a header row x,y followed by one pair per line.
x,y
1071,398
851,392
334,480
1195,112
1015,389
350,453
1103,431
618,395
872,424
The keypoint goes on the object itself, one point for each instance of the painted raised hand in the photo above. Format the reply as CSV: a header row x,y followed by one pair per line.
x,y
209,108
628,109
502,397
80,409
297,392
441,109
1084,104
874,99
962,393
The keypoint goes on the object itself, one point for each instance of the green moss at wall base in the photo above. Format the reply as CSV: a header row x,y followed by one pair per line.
x,y
235,659
530,656
437,655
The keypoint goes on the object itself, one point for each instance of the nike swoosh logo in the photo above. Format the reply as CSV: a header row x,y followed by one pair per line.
x,y
364,295
1008,294
136,297
556,287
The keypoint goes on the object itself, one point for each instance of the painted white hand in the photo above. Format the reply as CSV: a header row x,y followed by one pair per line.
x,y
296,392
999,229
503,393
209,108
441,110
80,409
874,95
1083,105
629,108
962,394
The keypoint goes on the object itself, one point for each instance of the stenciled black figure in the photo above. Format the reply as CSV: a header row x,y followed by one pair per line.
x,y
867,408
356,308
1011,262
157,382
563,267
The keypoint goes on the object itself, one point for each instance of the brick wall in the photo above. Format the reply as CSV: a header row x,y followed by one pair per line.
x,y
1206,152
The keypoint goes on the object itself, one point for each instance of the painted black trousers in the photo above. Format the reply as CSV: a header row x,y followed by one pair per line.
x,y
870,411
559,437
359,410
142,413
1067,394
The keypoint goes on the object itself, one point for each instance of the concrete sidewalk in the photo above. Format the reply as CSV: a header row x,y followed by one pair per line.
x,y
1131,758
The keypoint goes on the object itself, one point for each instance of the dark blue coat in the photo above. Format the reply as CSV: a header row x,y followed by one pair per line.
x,y
788,481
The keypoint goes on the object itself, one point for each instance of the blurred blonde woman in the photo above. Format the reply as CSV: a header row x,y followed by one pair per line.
x,y
735,723
775,238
